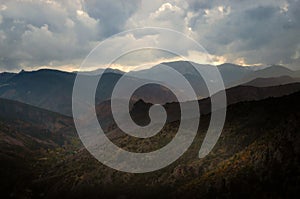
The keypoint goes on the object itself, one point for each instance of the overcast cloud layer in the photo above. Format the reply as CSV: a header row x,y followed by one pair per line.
x,y
59,34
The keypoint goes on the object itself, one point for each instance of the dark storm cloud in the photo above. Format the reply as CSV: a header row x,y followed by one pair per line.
x,y
112,14
261,33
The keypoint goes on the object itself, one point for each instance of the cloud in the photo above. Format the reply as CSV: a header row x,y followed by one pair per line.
x,y
61,33
260,32
112,14
35,33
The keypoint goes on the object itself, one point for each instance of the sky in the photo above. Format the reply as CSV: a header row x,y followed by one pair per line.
x,y
59,34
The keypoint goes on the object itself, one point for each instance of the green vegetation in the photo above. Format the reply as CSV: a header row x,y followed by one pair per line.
x,y
256,156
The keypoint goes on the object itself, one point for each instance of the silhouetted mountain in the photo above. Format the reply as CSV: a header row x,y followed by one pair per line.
x,y
234,95
52,89
23,116
139,110
100,71
25,132
5,77
256,156
17,111
265,163
272,81
296,74
48,89
232,73
274,71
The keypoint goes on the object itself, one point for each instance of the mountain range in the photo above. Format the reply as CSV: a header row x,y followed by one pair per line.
x,y
257,155
52,89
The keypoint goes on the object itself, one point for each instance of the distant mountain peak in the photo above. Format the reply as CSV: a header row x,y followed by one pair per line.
x,y
179,62
277,67
230,64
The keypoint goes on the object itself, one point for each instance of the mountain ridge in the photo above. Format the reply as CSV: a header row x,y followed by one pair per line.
x,y
52,89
